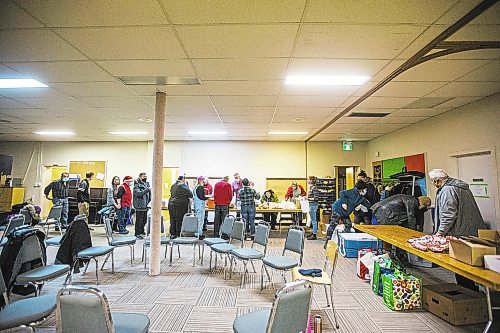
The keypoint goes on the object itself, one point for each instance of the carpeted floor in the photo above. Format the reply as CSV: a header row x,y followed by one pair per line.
x,y
193,299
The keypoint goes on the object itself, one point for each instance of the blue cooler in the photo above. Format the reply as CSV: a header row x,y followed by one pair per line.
x,y
350,243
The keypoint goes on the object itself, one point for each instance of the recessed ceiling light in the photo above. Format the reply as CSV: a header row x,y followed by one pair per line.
x,y
21,83
145,120
55,133
207,132
287,133
327,80
129,133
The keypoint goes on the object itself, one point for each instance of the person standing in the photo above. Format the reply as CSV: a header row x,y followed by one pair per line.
x,y
200,199
293,194
111,199
178,205
124,203
237,186
208,193
402,209
83,194
142,198
223,193
348,202
59,190
371,195
270,196
247,197
312,197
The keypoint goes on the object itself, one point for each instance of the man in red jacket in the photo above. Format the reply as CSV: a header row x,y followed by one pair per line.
x,y
124,203
223,193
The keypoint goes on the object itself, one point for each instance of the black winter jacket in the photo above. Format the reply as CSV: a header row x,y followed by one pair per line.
x,y
76,238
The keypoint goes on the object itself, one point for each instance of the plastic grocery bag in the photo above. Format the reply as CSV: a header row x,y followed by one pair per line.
x,y
304,204
402,291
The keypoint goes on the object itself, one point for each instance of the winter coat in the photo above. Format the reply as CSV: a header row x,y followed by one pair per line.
x,y
180,195
371,193
142,195
457,213
352,199
76,238
400,209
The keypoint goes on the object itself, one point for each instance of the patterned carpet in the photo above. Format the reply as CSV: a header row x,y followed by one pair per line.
x,y
193,299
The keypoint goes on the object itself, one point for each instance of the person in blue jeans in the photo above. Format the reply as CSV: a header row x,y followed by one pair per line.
x,y
199,200
59,190
347,202
312,197
247,197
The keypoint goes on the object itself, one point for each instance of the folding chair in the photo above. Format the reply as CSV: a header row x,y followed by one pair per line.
x,y
164,240
294,243
225,230
14,222
119,241
54,218
238,234
187,237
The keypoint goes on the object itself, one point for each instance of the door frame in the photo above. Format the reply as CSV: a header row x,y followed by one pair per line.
x,y
480,151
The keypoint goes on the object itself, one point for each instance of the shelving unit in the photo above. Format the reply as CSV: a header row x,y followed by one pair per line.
x,y
327,196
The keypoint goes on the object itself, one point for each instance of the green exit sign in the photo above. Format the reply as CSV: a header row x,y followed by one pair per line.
x,y
346,145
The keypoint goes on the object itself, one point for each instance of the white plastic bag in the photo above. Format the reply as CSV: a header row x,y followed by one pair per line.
x,y
304,205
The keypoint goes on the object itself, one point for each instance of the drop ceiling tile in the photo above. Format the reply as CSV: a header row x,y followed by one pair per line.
x,y
311,118
187,90
385,12
387,102
326,137
238,41
194,119
356,41
460,9
488,72
311,101
7,103
53,102
299,90
440,70
467,89
192,102
359,137
391,119
367,110
24,112
246,110
342,128
54,13
458,102
225,101
125,43
241,69
248,138
116,102
171,67
482,54
197,126
249,119
379,128
408,89
245,126
32,92
35,45
258,11
312,66
305,111
355,120
94,89
62,71
9,73
243,87
484,32
418,112
11,16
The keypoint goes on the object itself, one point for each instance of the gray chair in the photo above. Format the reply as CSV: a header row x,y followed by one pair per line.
x,y
14,222
54,241
30,251
224,231
294,243
164,240
237,234
26,312
189,228
249,254
119,241
86,310
290,312
54,219
28,219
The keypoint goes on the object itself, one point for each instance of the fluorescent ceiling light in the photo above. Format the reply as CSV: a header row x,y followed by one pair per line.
x,y
287,133
327,80
207,132
55,133
129,133
21,83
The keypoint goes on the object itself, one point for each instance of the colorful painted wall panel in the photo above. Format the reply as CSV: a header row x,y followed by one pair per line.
x,y
415,163
392,166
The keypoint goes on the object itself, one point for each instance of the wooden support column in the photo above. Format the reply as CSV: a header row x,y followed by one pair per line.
x,y
158,143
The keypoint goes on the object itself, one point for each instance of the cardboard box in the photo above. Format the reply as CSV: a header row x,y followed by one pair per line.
x,y
492,235
468,252
455,304
492,263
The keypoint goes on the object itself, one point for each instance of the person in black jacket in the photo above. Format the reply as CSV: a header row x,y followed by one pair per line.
x,y
402,209
178,205
142,197
59,190
371,195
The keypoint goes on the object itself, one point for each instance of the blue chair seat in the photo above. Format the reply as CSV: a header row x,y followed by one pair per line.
x,y
223,248
130,323
185,240
252,322
163,241
54,241
4,241
43,273
27,311
127,240
212,241
95,251
280,262
247,253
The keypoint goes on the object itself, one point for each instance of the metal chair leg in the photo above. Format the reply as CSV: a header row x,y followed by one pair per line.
x,y
166,247
86,267
143,249
336,323
327,298
145,256
179,250
262,277
171,251
251,262
105,261
202,252
210,263
194,253
96,270
231,267
113,261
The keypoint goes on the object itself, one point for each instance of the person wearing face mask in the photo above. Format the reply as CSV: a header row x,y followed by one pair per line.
x,y
142,198
178,205
124,203
312,197
371,195
294,192
59,190
402,209
199,199
347,203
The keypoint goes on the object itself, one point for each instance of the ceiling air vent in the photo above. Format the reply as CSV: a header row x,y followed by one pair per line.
x,y
159,80
368,114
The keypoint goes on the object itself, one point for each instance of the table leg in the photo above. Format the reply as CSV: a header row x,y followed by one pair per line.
x,y
490,311
279,222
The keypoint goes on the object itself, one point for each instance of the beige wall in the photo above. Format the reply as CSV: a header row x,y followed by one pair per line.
x,y
472,128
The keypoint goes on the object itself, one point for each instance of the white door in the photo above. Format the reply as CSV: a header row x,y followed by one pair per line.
x,y
477,171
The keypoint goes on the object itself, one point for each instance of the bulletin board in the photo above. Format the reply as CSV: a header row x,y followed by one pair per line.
x,y
281,185
97,167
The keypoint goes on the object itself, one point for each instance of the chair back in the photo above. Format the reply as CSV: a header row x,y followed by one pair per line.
x,y
3,287
83,310
14,222
31,250
108,228
27,215
189,225
55,213
148,226
290,311
238,231
227,225
262,235
331,253
295,241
